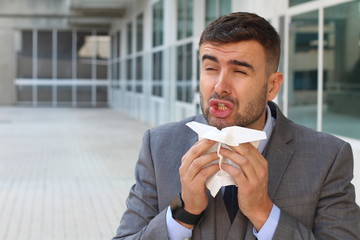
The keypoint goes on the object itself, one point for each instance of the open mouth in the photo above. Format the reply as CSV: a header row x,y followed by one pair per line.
x,y
222,107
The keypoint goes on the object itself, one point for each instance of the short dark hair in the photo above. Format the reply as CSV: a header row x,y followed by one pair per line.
x,y
242,26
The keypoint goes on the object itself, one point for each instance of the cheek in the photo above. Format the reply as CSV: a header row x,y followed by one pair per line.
x,y
205,86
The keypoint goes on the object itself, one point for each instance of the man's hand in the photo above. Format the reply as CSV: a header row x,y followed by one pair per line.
x,y
252,181
193,174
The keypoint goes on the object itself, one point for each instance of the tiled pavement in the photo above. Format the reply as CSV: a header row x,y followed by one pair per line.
x,y
65,173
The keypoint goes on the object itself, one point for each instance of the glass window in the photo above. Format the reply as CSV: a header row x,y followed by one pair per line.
x,y
139,74
102,41
101,96
185,19
129,38
139,32
114,74
129,74
24,93
158,23
115,66
44,94
280,99
157,74
85,49
25,55
64,95
64,54
297,2
303,41
118,49
216,8
83,95
184,73
341,113
44,54
119,74
114,70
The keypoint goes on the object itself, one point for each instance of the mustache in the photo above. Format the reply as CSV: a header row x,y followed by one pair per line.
x,y
226,98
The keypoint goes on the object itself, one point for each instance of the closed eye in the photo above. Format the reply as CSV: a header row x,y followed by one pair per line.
x,y
239,71
210,69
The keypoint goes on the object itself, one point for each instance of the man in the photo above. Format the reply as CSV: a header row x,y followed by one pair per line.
x,y
295,185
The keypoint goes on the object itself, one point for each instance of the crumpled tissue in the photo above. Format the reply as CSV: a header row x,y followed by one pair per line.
x,y
229,136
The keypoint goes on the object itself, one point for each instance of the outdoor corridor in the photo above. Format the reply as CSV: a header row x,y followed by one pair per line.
x,y
65,173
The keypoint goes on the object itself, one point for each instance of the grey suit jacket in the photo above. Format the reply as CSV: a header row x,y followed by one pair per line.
x,y
310,177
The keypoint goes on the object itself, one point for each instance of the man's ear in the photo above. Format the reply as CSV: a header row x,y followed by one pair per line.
x,y
274,85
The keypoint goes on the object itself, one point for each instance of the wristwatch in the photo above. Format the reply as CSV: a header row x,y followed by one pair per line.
x,y
179,213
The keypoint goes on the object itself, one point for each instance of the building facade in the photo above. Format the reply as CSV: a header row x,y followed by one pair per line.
x,y
141,57
155,64
56,52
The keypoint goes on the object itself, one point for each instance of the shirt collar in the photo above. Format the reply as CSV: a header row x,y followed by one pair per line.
x,y
268,129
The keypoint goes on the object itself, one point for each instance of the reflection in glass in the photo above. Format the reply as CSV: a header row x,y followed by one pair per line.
x,y
64,95
25,55
297,2
101,96
115,60
157,74
158,23
341,113
44,54
185,19
303,42
129,74
280,99
44,94
83,95
129,38
139,32
215,9
102,43
139,74
184,73
24,94
64,54
85,48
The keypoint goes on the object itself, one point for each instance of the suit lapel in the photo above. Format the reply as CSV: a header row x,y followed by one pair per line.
x,y
278,153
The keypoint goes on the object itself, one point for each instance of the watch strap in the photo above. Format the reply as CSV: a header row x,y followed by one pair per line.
x,y
179,213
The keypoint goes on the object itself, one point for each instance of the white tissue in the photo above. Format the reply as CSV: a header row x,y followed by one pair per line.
x,y
231,136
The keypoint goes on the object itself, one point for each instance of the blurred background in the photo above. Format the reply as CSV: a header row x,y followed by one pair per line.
x,y
140,58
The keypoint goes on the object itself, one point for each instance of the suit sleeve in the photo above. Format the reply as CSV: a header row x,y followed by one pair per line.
x,y
142,219
337,215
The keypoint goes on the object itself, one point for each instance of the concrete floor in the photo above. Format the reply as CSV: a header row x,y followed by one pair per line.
x,y
65,173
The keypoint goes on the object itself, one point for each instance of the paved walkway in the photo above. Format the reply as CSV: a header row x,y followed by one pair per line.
x,y
65,173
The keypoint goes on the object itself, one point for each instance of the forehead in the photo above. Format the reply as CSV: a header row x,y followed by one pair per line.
x,y
245,50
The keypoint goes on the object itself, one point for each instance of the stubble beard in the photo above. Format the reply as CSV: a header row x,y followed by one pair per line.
x,y
252,112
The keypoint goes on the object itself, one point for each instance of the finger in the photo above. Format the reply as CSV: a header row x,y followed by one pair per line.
x,y
235,172
205,173
247,169
251,152
197,165
196,151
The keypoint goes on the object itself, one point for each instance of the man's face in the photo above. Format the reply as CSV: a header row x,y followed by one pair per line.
x,y
234,84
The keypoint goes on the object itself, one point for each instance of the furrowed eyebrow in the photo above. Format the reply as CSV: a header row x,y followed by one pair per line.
x,y
234,62
242,64
209,57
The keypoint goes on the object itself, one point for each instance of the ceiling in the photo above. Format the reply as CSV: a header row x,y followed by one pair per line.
x,y
97,13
